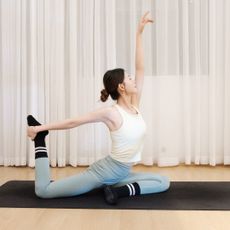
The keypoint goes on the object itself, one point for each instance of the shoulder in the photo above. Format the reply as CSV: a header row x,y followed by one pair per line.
x,y
105,113
110,116
111,112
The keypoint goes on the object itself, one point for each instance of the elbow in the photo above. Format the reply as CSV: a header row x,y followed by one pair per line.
x,y
71,124
140,70
139,67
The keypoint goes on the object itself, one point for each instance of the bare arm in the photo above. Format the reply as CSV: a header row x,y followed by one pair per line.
x,y
99,115
139,58
96,116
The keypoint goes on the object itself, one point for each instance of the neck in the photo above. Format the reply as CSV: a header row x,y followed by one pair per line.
x,y
125,101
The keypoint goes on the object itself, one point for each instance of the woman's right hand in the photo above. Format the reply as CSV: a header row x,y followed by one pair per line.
x,y
31,132
145,19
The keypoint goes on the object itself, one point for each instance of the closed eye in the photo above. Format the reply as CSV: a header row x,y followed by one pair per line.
x,y
130,77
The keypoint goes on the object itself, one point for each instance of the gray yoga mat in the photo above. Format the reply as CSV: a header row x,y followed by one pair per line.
x,y
180,196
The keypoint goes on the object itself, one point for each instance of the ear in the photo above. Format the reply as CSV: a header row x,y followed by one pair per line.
x,y
121,87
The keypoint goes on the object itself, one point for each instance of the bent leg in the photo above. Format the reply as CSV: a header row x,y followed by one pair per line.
x,y
70,186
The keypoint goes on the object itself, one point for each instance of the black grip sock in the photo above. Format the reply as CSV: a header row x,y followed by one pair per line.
x,y
39,140
131,189
111,194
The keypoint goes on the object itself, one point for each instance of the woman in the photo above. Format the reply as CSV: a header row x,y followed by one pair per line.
x,y
127,129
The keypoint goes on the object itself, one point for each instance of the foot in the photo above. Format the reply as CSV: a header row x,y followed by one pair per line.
x,y
33,122
110,195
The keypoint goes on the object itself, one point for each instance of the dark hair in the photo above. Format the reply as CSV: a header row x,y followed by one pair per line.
x,y
111,80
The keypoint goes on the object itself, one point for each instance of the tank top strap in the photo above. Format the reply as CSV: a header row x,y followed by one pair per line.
x,y
136,109
121,110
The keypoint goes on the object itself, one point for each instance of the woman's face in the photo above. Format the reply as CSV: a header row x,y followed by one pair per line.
x,y
130,84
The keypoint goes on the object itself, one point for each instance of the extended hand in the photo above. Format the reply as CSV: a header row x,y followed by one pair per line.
x,y
144,20
31,132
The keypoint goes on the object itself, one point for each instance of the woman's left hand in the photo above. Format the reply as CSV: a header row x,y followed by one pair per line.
x,y
144,20
31,132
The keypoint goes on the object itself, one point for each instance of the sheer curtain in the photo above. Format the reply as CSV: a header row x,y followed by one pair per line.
x,y
54,55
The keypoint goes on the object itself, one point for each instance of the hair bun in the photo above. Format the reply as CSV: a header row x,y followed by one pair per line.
x,y
104,95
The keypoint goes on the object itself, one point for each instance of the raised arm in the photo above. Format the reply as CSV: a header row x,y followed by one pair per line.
x,y
139,58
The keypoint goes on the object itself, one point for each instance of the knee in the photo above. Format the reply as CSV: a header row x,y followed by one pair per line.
x,y
41,192
165,183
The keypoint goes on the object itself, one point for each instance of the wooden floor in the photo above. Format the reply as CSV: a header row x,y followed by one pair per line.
x,y
17,219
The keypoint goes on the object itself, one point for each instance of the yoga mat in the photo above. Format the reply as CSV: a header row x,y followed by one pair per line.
x,y
180,196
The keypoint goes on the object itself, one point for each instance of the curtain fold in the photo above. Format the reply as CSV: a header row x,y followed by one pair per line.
x,y
53,55
226,132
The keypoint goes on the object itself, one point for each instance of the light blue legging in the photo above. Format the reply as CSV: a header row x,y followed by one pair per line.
x,y
105,171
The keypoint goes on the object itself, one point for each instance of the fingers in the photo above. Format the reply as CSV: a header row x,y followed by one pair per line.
x,y
145,19
146,13
30,133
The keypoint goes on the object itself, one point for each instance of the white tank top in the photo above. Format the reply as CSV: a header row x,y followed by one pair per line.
x,y
128,140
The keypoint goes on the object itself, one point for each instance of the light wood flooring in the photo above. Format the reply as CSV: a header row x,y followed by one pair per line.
x,y
16,219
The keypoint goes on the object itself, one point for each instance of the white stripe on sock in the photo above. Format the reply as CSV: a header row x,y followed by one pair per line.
x,y
40,151
130,190
40,148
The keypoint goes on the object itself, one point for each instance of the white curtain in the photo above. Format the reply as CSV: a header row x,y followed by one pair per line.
x,y
53,55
